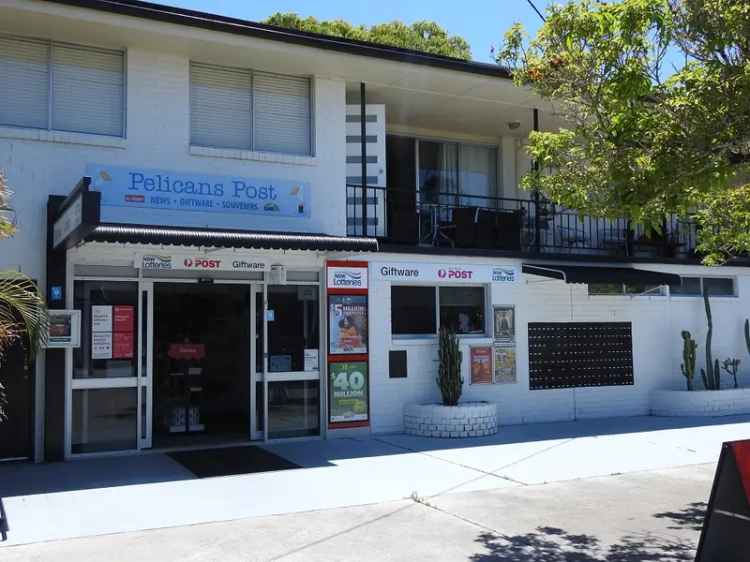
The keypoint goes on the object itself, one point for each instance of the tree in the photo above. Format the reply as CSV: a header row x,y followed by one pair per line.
x,y
23,314
642,140
425,36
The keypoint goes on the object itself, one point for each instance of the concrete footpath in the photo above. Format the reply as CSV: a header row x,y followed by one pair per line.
x,y
653,516
128,494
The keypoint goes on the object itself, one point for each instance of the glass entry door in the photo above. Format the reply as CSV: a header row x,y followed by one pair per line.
x,y
202,367
105,398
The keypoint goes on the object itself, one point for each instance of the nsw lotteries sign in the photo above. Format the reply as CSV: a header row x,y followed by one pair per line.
x,y
141,188
445,273
346,277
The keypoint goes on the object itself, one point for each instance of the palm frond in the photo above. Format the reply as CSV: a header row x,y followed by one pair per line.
x,y
23,311
7,220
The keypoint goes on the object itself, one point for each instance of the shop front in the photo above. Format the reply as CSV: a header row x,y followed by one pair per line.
x,y
184,357
187,337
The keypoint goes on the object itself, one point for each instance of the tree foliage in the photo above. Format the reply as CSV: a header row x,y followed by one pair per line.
x,y
642,140
425,36
23,313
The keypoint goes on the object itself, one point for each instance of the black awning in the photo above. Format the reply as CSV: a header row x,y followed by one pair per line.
x,y
119,233
594,274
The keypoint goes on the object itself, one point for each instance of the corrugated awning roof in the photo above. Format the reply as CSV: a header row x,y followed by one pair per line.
x,y
594,274
119,233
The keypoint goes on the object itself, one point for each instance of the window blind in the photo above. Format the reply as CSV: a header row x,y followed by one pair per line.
x,y
83,87
24,83
220,107
87,90
236,108
282,113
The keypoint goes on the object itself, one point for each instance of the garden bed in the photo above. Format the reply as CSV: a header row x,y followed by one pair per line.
x,y
467,419
725,402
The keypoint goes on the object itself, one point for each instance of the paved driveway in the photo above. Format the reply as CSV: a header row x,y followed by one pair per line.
x,y
115,495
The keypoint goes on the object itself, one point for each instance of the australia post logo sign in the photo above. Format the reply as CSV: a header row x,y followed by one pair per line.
x,y
431,272
201,263
347,277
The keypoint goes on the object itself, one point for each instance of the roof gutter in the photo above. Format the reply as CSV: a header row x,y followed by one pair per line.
x,y
213,22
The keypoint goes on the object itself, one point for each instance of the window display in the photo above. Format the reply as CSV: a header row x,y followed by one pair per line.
x,y
462,309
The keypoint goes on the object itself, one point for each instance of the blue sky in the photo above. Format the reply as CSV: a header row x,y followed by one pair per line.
x,y
481,22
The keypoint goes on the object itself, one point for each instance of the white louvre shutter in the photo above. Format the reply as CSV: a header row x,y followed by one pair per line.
x,y
220,107
24,83
282,113
87,90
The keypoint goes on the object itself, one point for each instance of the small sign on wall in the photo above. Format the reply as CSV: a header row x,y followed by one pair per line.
x,y
481,364
64,328
505,365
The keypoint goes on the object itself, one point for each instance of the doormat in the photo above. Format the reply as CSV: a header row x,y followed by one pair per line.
x,y
207,463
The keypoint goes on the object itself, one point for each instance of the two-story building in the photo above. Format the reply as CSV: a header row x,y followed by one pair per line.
x,y
189,192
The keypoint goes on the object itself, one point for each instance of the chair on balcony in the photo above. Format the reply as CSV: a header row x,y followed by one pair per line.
x,y
487,228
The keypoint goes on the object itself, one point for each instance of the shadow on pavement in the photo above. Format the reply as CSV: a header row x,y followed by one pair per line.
x,y
19,479
550,544
691,517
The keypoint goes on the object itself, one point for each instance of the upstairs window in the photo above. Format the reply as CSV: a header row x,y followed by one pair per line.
x,y
248,110
694,287
61,87
628,289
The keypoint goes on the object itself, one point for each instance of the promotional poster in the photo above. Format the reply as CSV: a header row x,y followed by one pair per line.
x,y
348,384
347,318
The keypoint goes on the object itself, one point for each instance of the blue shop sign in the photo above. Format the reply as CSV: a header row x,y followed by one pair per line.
x,y
130,188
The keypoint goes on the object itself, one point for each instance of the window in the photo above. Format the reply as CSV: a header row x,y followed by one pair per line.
x,y
48,85
719,286
462,309
628,289
244,109
453,173
413,311
694,287
689,286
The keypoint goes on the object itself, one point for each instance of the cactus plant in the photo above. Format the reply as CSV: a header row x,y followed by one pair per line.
x,y
747,334
449,377
711,374
688,358
731,366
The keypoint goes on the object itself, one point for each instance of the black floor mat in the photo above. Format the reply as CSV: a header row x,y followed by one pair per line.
x,y
227,461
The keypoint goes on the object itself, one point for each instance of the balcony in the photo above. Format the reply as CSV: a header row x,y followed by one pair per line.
x,y
407,217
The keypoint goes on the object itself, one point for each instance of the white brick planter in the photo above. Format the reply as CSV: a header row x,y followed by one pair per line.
x,y
726,402
468,419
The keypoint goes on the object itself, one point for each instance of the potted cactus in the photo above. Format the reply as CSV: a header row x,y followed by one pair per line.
x,y
449,377
449,418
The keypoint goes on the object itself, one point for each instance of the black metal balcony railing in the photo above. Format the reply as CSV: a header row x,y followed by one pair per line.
x,y
405,216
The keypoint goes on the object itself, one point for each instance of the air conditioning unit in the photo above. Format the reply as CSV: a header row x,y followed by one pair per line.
x,y
277,275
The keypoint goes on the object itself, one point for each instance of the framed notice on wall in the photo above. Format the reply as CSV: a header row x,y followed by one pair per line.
x,y
348,384
504,323
347,321
481,364
505,365
64,328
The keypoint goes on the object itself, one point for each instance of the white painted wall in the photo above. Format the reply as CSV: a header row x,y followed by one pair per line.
x,y
657,346
40,163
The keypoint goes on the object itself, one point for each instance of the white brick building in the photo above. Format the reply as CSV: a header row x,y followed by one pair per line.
x,y
225,160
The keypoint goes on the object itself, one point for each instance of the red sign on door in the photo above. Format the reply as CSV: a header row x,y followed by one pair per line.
x,y
123,344
123,318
